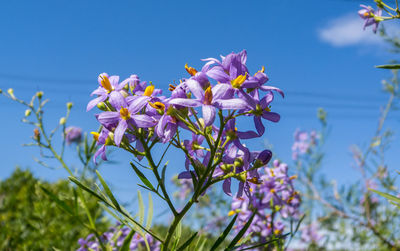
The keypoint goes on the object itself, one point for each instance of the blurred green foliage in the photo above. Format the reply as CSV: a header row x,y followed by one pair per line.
x,y
30,220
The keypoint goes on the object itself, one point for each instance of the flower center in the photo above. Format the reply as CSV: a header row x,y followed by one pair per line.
x,y
148,91
192,71
124,112
208,96
238,81
157,105
105,83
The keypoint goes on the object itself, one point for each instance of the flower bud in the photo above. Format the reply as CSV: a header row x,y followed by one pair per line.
x,y
39,94
28,112
1,91
69,105
73,135
10,92
63,121
238,162
36,135
226,168
102,106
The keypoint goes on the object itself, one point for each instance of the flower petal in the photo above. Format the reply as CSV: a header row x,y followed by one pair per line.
x,y
222,91
208,114
226,186
259,126
218,73
119,131
95,101
108,118
195,88
185,102
235,103
271,88
138,103
271,116
143,121
117,100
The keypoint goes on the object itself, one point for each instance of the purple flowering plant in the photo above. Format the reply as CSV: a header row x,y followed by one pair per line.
x,y
135,116
199,118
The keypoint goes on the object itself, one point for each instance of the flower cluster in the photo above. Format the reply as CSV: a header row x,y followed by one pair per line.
x,y
303,142
272,200
114,239
135,112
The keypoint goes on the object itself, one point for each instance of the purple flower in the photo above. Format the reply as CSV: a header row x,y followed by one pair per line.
x,y
370,16
124,116
218,96
107,86
73,134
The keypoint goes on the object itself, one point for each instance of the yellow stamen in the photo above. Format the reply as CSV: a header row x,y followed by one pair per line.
x,y
192,71
254,180
208,96
262,70
237,82
231,213
148,91
272,190
95,135
268,108
171,87
367,14
277,231
157,105
105,82
293,177
124,112
272,172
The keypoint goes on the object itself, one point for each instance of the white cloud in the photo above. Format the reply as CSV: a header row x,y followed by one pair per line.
x,y
348,30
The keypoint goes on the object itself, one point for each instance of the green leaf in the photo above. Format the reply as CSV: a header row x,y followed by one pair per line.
x,y
149,212
108,191
241,232
388,66
142,177
387,196
223,235
187,243
127,241
141,207
59,202
86,188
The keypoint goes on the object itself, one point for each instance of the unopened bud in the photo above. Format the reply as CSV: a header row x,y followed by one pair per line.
x,y
1,91
39,94
102,106
36,134
28,112
226,168
238,162
63,121
263,158
11,93
69,105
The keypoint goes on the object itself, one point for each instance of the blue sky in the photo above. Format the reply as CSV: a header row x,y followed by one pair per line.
x,y
316,51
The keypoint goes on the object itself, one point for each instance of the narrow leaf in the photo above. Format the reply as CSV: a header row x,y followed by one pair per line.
x,y
142,177
388,66
86,188
223,235
263,244
149,212
127,241
163,172
141,207
241,232
387,196
108,191
187,243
